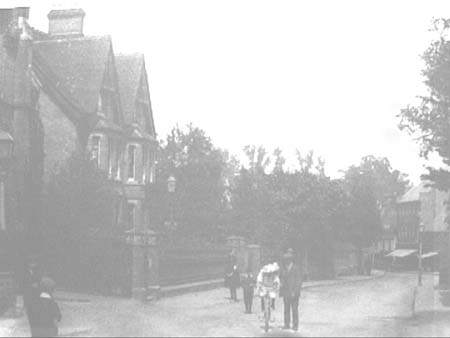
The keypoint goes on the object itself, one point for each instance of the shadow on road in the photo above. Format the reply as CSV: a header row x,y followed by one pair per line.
x,y
427,317
281,333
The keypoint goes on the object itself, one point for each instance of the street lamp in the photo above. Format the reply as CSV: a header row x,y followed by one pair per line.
x,y
171,186
419,277
6,150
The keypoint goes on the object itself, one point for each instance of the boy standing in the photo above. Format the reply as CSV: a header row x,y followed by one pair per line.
x,y
248,284
232,277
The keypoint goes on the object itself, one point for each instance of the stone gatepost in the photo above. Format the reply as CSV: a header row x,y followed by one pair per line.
x,y
253,258
237,246
153,287
145,264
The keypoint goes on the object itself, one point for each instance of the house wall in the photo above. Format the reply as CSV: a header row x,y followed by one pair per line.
x,y
433,210
408,220
60,135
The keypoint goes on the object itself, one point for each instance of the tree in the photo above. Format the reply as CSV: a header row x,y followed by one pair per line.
x,y
429,121
388,184
79,200
371,188
80,210
278,208
202,173
251,197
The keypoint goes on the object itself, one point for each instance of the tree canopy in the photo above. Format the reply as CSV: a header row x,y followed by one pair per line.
x,y
429,120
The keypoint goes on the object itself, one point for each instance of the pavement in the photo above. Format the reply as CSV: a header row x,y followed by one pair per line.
x,y
379,305
432,309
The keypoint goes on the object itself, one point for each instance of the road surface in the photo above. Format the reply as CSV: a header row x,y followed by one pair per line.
x,y
378,307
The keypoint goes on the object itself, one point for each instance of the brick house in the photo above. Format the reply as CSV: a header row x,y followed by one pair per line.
x,y
427,206
62,92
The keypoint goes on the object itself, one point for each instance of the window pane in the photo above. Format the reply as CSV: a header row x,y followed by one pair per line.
x,y
96,149
131,161
130,215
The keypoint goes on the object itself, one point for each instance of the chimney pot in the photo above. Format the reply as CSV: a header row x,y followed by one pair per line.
x,y
66,22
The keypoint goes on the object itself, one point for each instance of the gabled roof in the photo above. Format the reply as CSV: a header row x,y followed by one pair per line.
x,y
6,74
80,63
413,194
129,70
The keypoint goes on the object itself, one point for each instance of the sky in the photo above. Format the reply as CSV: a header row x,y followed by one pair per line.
x,y
330,76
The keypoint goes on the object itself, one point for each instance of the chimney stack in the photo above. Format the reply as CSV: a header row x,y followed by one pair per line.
x,y
66,22
12,15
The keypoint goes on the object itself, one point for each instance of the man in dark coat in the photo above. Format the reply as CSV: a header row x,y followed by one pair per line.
x,y
291,283
248,286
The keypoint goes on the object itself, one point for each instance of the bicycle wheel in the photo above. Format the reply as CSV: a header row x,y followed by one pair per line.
x,y
266,313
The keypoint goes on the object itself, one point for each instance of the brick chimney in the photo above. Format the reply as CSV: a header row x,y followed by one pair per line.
x,y
10,16
66,22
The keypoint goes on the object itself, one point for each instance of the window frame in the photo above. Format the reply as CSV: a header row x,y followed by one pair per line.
x,y
98,137
132,203
132,178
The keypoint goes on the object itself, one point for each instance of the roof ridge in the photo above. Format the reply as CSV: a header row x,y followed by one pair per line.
x,y
135,54
78,38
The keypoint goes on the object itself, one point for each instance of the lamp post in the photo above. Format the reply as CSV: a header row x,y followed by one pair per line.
x,y
171,186
419,272
6,150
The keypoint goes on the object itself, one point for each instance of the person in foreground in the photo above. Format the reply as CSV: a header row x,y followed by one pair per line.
x,y
31,281
291,283
47,314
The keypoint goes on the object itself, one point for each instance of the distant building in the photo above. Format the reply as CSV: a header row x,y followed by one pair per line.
x,y
388,240
424,205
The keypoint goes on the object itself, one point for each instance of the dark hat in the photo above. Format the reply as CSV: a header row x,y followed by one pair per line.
x,y
47,284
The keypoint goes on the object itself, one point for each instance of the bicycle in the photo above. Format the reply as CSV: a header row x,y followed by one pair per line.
x,y
267,316
267,311
268,285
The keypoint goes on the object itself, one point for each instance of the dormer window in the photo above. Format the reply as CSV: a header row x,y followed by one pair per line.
x,y
139,114
145,161
131,162
95,149
100,106
109,106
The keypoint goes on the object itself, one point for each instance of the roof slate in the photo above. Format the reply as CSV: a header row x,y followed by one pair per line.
x,y
6,74
80,63
129,70
413,194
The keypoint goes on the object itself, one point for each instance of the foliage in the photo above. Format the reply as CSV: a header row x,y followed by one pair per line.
x,y
202,174
79,206
79,201
278,208
429,120
372,187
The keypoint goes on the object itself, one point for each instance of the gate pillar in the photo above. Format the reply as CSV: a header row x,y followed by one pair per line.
x,y
145,264
237,246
